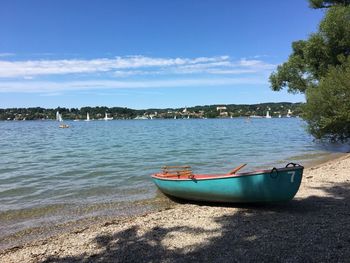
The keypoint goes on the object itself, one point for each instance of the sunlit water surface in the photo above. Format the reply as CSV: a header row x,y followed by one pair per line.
x,y
50,175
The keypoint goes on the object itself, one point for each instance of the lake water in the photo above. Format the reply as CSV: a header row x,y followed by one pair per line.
x,y
101,168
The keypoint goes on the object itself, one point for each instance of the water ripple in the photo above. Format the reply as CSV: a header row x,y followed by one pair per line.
x,y
98,162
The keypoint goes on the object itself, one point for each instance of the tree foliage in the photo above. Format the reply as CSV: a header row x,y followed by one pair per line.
x,y
328,106
316,60
310,59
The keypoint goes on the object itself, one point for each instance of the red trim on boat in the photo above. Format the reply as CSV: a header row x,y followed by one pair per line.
x,y
220,176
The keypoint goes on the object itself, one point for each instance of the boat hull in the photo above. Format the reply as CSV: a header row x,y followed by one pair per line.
x,y
277,185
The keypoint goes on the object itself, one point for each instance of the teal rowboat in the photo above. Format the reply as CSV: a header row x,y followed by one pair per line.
x,y
276,185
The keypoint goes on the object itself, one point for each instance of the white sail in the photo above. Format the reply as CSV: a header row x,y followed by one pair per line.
x,y
268,115
87,117
106,118
59,116
60,119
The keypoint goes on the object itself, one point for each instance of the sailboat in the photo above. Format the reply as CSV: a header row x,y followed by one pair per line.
x,y
59,118
87,117
268,115
106,118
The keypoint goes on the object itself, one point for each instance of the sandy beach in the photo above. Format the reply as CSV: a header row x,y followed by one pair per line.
x,y
313,227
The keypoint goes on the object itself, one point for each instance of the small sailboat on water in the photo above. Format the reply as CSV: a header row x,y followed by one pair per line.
x,y
59,118
106,118
268,115
87,117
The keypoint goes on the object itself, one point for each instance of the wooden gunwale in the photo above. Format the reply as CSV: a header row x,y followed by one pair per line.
x,y
202,177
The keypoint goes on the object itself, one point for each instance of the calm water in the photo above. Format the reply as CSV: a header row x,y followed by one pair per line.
x,y
97,168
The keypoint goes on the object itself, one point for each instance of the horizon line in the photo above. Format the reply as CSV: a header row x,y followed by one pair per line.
x,y
155,108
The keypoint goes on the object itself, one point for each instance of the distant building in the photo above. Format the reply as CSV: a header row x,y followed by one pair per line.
x,y
221,108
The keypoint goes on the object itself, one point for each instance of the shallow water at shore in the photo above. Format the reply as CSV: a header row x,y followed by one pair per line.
x,y
101,168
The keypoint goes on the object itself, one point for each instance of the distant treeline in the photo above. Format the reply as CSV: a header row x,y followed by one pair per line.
x,y
207,111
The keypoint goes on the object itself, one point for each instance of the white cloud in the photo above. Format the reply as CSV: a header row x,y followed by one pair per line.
x,y
128,73
231,71
6,54
261,56
51,94
256,64
119,72
55,87
131,65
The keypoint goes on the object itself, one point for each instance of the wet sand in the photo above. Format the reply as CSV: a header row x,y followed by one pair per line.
x,y
313,227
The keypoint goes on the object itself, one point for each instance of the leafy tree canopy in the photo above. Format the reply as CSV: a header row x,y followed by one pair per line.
x,y
328,107
311,58
320,67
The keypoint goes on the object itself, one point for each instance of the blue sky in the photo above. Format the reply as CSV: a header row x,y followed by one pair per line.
x,y
144,54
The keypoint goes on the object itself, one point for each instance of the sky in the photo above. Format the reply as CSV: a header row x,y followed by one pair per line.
x,y
146,54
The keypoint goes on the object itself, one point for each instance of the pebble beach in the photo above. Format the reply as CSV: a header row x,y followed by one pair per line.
x,y
313,227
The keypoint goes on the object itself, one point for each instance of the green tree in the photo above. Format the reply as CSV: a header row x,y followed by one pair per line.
x,y
314,63
328,106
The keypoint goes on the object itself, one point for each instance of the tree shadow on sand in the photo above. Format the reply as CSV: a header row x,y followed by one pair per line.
x,y
315,229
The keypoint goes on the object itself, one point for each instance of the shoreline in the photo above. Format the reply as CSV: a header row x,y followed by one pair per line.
x,y
316,217
36,233
76,219
158,203
324,159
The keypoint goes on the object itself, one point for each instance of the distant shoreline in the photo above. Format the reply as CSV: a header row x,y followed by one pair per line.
x,y
278,109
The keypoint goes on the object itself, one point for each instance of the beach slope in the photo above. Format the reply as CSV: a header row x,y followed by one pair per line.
x,y
314,227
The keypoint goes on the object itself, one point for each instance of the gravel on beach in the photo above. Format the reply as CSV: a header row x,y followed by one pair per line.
x,y
313,227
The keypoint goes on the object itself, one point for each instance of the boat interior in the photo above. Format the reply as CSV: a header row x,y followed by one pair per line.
x,y
185,172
